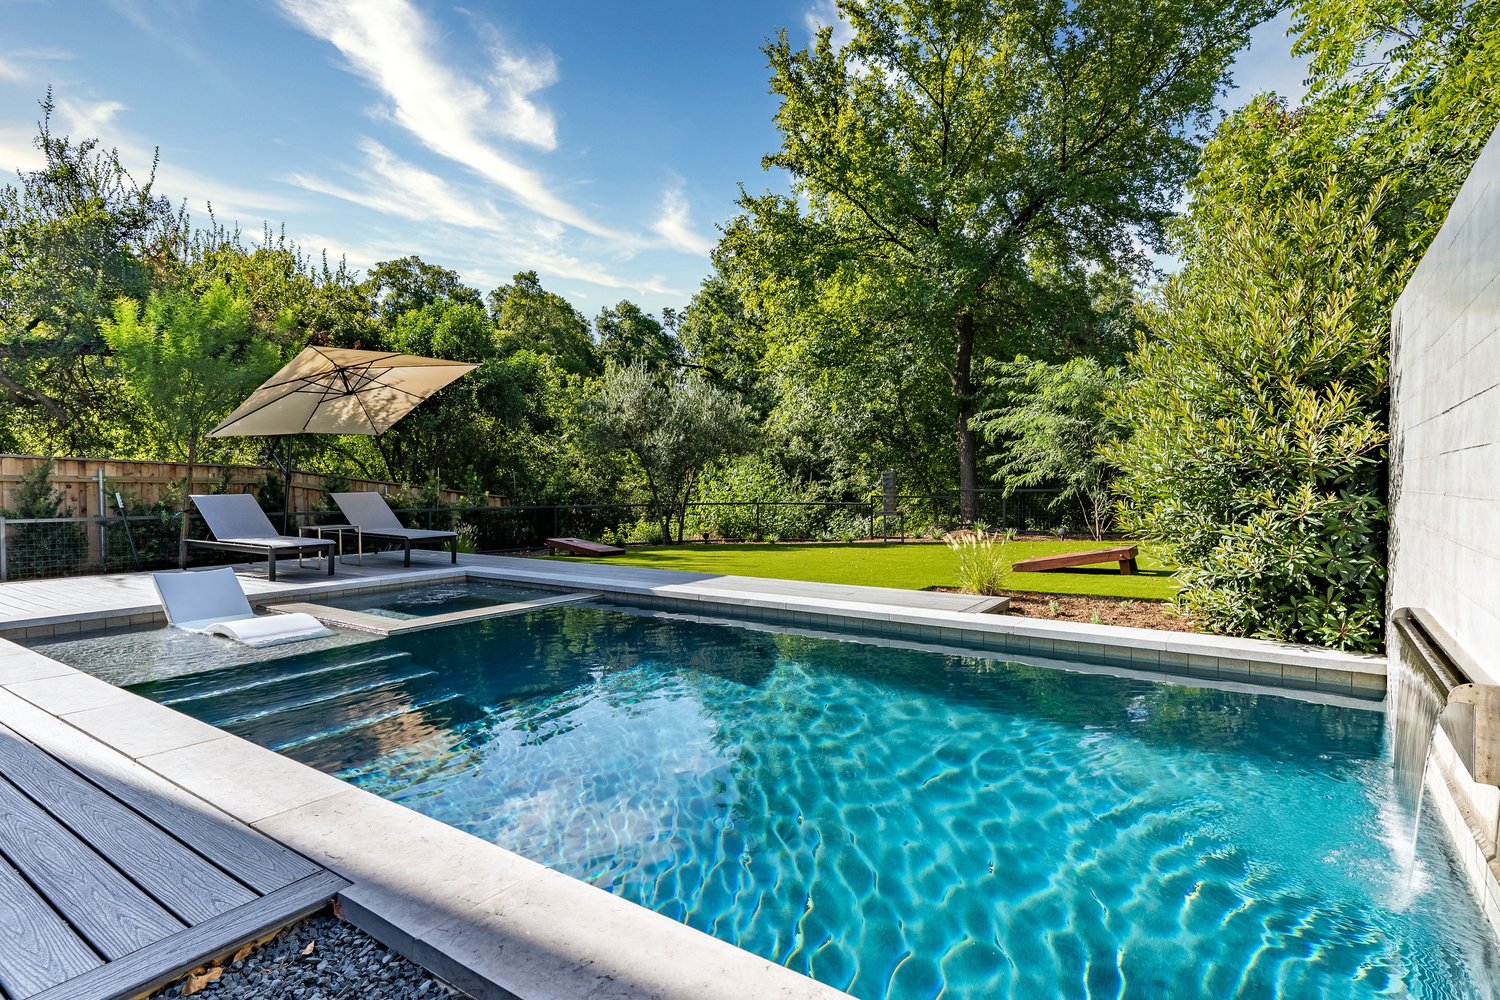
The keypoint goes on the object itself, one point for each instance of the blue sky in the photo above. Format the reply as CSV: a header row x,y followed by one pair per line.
x,y
595,142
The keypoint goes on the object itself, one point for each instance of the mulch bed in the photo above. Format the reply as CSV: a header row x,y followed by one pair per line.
x,y
1132,612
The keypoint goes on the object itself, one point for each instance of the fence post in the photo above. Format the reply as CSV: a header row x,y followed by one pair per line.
x,y
4,547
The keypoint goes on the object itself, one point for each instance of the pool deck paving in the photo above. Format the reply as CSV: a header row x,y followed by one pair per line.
x,y
490,921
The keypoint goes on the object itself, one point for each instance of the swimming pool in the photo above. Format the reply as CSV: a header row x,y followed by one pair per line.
x,y
891,821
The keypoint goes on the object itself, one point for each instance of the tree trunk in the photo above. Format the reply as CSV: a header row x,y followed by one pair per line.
x,y
968,452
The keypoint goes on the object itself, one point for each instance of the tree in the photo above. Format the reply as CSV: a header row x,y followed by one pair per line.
x,y
628,335
1052,421
672,430
188,360
411,283
529,318
952,144
75,235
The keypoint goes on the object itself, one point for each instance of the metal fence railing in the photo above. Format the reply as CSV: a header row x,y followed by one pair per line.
x,y
69,546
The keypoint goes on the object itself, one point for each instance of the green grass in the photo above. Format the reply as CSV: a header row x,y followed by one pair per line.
x,y
913,566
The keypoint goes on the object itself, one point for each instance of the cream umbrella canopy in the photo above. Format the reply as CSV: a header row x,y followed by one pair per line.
x,y
332,390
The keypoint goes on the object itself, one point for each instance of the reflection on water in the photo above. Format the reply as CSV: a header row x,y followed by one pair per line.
x,y
898,823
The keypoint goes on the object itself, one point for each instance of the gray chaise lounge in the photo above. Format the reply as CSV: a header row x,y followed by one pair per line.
x,y
239,525
372,515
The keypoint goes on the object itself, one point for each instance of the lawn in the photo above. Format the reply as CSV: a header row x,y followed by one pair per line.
x,y
912,566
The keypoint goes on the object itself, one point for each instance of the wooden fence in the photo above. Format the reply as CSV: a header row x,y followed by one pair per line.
x,y
78,480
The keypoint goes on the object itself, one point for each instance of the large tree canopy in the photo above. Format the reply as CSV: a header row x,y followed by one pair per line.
x,y
955,155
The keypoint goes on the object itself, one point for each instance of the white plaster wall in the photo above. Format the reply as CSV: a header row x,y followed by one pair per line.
x,y
1445,434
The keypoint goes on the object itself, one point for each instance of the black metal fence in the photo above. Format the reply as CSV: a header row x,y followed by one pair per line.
x,y
69,546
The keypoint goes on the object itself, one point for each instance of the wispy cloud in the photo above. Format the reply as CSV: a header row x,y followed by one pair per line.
x,y
675,224
474,232
825,13
11,72
459,117
395,187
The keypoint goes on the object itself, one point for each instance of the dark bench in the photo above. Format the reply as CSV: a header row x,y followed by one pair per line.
x,y
1124,555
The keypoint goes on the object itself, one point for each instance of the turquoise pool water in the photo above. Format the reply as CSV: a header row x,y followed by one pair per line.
x,y
898,823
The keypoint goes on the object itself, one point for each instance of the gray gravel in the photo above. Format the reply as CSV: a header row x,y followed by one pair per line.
x,y
344,963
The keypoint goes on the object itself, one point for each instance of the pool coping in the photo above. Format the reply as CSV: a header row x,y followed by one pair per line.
x,y
362,621
499,925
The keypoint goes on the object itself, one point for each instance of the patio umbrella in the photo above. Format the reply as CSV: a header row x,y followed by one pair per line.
x,y
333,390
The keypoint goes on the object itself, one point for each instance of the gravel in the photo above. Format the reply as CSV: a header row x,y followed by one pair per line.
x,y
343,962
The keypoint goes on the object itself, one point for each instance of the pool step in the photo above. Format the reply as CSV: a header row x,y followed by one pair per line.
x,y
326,716
296,700
182,690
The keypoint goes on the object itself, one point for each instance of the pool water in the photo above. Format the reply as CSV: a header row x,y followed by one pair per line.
x,y
434,599
894,822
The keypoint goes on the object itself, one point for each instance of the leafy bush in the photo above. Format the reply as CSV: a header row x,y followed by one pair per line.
x,y
982,568
727,491
1053,423
41,549
143,544
1256,459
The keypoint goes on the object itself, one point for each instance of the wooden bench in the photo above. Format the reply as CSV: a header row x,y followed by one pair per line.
x,y
582,547
1124,555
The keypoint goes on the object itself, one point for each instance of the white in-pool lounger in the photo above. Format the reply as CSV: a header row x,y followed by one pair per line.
x,y
212,602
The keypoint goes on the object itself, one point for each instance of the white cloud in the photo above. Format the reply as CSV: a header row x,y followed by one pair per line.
x,y
675,223
11,72
464,230
825,13
391,45
396,187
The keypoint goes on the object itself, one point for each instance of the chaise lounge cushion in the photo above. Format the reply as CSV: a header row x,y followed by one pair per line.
x,y
212,602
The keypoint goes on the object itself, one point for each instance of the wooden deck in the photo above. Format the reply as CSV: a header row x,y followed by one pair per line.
x,y
113,880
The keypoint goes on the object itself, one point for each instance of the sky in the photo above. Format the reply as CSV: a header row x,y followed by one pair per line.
x,y
593,141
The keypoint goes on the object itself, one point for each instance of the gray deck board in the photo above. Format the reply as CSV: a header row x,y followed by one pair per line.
x,y
40,949
259,862
113,880
136,973
189,887
114,916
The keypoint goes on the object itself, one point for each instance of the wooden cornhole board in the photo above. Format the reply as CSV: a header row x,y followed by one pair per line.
x,y
582,547
1124,555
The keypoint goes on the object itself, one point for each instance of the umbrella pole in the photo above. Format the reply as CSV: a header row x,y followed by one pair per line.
x,y
282,466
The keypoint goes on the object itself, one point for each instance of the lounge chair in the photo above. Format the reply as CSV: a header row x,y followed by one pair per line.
x,y
212,602
239,525
373,517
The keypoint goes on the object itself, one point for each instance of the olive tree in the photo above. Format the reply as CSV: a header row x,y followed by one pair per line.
x,y
671,429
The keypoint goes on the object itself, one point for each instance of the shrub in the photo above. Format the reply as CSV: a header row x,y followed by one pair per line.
x,y
1256,459
42,549
982,568
1053,422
